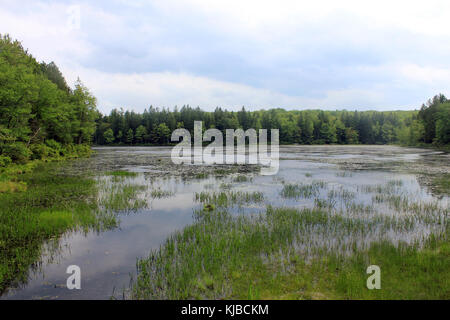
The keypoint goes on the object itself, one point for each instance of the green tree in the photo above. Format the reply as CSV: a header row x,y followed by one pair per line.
x,y
130,136
163,133
85,113
108,135
443,124
141,132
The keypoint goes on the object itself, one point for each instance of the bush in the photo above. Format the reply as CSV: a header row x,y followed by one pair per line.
x,y
16,151
5,161
41,151
76,150
53,145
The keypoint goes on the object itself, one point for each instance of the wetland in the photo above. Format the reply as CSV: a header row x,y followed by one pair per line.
x,y
141,227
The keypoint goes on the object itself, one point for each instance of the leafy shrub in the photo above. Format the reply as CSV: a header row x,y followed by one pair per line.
x,y
53,144
42,151
5,161
16,151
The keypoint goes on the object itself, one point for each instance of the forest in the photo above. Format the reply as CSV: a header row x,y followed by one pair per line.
x,y
42,117
431,124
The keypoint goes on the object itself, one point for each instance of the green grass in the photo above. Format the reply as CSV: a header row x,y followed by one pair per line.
x,y
229,198
52,204
242,178
120,195
442,183
302,190
121,173
274,256
160,194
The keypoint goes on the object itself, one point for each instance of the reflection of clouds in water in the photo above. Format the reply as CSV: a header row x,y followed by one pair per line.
x,y
106,260
178,201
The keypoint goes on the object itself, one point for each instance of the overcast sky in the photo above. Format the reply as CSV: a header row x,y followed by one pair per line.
x,y
379,55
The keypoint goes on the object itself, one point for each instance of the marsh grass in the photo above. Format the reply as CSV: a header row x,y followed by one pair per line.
x,y
121,173
442,184
285,253
302,190
242,178
225,186
41,202
312,253
52,204
344,174
160,194
228,198
120,195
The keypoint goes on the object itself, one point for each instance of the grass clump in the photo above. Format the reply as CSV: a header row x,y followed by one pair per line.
x,y
12,186
229,198
160,194
442,184
268,256
120,196
121,173
52,204
302,190
242,178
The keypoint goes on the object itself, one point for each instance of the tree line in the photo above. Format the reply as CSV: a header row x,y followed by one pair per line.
x,y
40,115
154,126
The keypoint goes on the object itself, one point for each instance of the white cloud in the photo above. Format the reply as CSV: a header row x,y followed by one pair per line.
x,y
139,91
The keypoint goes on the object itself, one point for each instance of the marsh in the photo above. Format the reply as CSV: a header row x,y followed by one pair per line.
x,y
325,201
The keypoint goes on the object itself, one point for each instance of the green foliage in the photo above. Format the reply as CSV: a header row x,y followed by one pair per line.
x,y
141,132
296,127
429,115
225,256
53,73
108,135
443,124
53,203
130,136
37,106
16,151
5,161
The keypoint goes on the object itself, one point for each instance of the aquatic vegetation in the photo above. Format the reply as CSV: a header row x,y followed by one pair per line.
x,y
229,198
395,183
271,252
324,250
201,175
442,183
121,173
225,186
302,190
159,193
378,188
52,204
344,174
120,195
241,178
341,193
313,243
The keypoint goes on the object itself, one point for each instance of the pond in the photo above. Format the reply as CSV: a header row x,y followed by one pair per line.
x,y
361,182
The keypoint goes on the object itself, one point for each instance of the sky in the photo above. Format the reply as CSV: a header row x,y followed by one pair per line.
x,y
354,55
